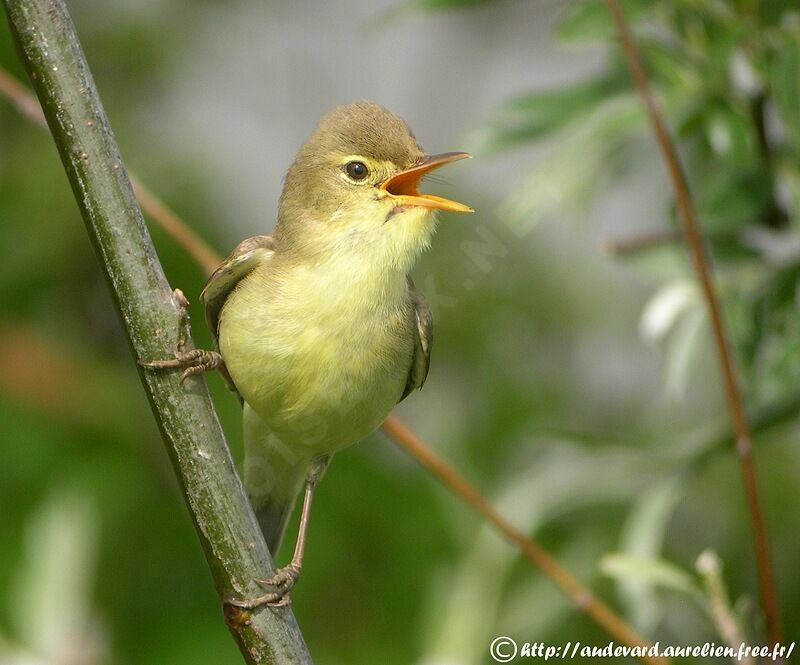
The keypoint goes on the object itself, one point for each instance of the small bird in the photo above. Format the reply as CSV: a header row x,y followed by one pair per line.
x,y
319,328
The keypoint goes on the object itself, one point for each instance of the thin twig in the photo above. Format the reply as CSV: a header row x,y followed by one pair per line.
x,y
583,599
158,211
22,99
412,444
28,106
640,242
153,321
688,218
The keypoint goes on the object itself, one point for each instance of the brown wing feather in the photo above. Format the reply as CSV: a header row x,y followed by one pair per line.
x,y
421,360
223,280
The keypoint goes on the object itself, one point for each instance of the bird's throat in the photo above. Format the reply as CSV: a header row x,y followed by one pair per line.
x,y
381,242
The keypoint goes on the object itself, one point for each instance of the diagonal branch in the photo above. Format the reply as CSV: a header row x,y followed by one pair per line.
x,y
582,598
694,241
154,321
195,246
397,431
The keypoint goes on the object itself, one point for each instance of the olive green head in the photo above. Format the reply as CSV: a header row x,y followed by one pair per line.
x,y
355,181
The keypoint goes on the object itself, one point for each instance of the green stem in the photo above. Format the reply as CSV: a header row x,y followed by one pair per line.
x,y
153,320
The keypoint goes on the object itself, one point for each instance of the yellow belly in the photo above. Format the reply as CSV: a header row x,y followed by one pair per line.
x,y
320,365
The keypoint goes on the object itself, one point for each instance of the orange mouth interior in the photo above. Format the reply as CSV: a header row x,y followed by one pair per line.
x,y
403,186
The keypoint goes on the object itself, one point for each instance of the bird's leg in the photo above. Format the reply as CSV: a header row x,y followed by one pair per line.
x,y
192,362
285,578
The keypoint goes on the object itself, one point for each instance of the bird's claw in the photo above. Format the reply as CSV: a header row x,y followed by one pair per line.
x,y
284,578
192,362
281,582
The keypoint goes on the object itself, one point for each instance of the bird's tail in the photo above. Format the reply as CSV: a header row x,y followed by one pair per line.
x,y
273,477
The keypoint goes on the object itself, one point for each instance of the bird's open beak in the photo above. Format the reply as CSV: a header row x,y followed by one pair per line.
x,y
402,187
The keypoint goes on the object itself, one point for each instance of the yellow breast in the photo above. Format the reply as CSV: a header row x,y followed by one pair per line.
x,y
321,353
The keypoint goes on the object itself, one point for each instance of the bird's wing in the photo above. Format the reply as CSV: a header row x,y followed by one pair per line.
x,y
248,254
423,341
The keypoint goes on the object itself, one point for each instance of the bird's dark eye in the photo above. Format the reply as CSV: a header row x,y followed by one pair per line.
x,y
356,170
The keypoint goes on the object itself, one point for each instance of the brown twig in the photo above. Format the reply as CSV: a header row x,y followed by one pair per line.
x,y
583,599
694,241
22,99
158,211
400,433
639,242
28,106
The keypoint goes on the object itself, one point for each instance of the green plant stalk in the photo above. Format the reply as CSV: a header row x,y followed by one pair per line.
x,y
154,321
717,602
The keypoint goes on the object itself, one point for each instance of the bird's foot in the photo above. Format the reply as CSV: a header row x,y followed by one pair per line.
x,y
281,582
192,362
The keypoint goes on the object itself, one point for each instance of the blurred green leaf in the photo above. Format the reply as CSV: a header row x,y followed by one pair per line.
x,y
585,157
683,352
731,198
652,570
788,181
54,588
588,21
666,306
668,65
730,136
643,535
784,76
536,114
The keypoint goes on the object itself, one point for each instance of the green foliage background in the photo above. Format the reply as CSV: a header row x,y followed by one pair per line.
x,y
577,389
